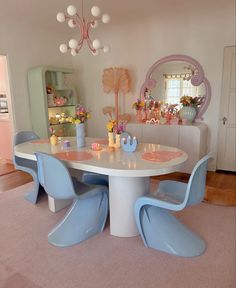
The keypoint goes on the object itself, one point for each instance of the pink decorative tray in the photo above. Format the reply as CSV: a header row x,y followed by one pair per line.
x,y
160,156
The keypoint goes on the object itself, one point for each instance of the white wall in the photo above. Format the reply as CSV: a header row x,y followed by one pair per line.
x,y
27,46
201,33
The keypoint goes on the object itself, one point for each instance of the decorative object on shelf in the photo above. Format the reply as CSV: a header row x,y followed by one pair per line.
x,y
116,80
187,113
128,143
60,101
139,106
190,106
185,73
76,20
53,137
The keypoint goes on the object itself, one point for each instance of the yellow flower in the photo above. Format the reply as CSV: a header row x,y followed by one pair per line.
x,y
110,125
88,116
77,121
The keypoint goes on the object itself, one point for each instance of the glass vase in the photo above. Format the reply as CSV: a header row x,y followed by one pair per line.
x,y
110,139
188,113
80,135
117,140
53,140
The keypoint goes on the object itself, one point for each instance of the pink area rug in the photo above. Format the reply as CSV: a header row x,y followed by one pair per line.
x,y
105,261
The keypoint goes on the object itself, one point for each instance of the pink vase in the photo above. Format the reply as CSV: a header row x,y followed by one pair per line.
x,y
139,115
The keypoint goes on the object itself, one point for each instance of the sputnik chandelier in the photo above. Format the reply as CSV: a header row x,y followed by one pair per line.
x,y
76,20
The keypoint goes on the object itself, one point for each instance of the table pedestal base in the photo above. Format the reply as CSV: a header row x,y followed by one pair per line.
x,y
123,192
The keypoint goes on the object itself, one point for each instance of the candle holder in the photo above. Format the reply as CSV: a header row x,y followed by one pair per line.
x,y
128,143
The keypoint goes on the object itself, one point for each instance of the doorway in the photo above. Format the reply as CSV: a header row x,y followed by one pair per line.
x,y
6,116
226,159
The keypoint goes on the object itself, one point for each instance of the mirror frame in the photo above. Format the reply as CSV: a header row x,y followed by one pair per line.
x,y
197,79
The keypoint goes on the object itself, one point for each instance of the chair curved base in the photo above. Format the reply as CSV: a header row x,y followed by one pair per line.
x,y
31,196
85,218
34,195
162,231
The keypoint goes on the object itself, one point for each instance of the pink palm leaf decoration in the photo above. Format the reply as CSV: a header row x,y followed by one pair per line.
x,y
116,80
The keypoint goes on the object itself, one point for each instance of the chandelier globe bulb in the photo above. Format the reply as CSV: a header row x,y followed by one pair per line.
x,y
106,18
71,10
97,44
106,49
95,11
61,17
63,48
71,23
73,43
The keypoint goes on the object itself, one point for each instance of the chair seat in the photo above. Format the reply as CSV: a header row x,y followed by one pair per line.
x,y
88,213
160,229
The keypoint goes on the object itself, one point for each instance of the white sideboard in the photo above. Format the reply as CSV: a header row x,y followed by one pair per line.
x,y
190,138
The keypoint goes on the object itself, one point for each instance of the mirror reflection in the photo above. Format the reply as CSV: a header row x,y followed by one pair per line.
x,y
173,80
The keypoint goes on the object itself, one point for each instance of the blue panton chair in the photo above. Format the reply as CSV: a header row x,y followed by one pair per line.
x,y
88,213
94,178
28,166
160,229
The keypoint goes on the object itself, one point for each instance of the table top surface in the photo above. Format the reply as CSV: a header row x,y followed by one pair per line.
x,y
147,160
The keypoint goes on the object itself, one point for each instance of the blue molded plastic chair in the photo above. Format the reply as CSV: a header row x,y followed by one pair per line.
x,y
95,179
88,212
28,166
159,229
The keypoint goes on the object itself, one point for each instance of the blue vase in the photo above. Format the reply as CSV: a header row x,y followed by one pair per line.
x,y
188,113
80,135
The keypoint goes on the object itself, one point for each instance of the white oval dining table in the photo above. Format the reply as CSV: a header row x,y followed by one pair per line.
x,y
129,172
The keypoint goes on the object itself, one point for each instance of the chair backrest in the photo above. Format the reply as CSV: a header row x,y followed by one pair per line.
x,y
21,137
24,136
54,177
197,182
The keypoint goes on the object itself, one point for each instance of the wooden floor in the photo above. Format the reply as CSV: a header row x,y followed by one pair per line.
x,y
220,190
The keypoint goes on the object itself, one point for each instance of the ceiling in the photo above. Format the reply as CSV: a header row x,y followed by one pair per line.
x,y
43,13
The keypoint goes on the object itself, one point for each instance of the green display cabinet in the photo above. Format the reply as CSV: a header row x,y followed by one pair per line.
x,y
53,100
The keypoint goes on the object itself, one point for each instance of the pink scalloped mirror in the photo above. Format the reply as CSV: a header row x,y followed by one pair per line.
x,y
175,76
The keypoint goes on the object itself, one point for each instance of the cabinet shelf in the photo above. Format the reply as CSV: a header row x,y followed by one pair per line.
x,y
41,102
60,123
62,106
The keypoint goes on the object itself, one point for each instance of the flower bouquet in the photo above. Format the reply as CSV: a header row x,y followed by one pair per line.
x,y
189,101
81,116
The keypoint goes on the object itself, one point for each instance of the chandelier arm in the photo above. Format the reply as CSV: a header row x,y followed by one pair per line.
x,y
89,42
90,45
81,28
79,47
79,20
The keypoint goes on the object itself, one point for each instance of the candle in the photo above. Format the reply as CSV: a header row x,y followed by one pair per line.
x,y
96,146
